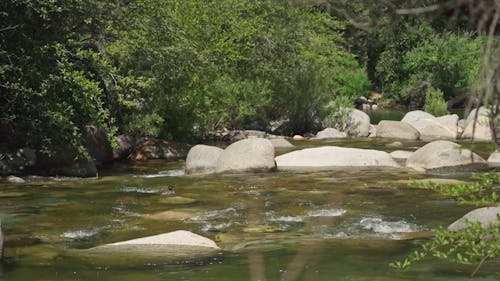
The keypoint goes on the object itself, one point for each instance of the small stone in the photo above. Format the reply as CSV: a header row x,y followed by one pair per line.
x,y
177,200
171,215
395,144
261,229
298,138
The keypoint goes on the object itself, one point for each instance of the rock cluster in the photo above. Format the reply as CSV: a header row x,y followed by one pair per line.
x,y
247,154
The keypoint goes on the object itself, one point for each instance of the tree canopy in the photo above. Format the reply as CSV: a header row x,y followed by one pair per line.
x,y
177,69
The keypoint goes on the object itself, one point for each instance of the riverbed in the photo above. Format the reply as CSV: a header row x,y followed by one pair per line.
x,y
337,224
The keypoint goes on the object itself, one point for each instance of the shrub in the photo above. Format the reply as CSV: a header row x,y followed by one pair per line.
x,y
338,113
450,62
435,103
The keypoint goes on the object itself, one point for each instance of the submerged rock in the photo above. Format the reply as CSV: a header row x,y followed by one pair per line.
x,y
171,215
486,216
443,155
248,154
329,133
202,159
261,229
172,246
334,156
177,200
441,181
397,130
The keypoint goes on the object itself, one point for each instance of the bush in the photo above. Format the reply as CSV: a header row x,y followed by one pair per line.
x,y
337,113
435,103
450,62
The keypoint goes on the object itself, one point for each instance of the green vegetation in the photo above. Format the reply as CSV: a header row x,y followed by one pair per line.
x,y
177,69
171,69
435,103
472,246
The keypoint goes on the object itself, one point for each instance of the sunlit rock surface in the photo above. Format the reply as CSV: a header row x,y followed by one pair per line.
x,y
172,246
485,216
202,159
333,156
247,154
444,155
397,130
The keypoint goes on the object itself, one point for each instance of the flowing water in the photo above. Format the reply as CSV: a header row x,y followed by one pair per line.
x,y
342,224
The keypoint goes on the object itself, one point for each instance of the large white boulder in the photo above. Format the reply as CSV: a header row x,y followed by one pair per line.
x,y
481,132
442,155
177,245
329,133
397,129
413,118
483,111
247,154
494,159
202,159
443,127
358,123
177,238
334,156
485,216
482,129
430,127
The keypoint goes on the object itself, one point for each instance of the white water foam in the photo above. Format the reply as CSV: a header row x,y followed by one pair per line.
x,y
287,218
79,234
380,226
215,227
141,190
327,213
166,173
228,212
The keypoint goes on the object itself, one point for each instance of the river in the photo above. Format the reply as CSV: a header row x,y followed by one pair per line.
x,y
341,224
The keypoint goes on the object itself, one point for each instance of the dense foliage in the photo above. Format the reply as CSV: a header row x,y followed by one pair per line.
x,y
178,69
48,82
167,68
435,103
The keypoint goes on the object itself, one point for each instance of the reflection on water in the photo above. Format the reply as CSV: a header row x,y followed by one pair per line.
x,y
329,225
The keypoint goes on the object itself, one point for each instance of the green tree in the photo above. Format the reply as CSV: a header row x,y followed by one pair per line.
x,y
49,86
